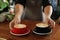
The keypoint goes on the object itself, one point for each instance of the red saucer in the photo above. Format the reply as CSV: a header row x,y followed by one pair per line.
x,y
20,33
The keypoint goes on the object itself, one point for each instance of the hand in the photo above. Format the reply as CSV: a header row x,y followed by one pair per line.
x,y
16,20
52,23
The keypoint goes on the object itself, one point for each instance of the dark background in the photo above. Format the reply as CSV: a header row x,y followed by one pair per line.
x,y
56,13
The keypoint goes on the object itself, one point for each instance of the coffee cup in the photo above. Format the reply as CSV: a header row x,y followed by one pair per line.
x,y
19,29
42,29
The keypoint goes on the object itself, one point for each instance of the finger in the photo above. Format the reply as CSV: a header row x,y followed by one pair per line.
x,y
10,24
52,23
17,22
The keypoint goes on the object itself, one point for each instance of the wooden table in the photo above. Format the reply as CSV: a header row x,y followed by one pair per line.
x,y
5,32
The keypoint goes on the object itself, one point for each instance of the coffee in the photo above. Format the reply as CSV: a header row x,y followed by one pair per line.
x,y
19,26
42,25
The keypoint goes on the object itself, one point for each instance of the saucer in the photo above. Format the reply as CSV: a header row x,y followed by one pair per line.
x,y
42,33
20,34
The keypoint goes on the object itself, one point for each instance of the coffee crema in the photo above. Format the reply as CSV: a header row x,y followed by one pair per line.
x,y
42,25
20,26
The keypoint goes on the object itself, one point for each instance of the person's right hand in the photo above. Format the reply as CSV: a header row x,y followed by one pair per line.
x,y
16,20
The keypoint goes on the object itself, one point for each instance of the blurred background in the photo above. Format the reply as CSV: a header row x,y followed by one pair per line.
x,y
56,7
7,5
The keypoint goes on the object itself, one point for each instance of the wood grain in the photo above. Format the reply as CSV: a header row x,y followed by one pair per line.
x,y
5,32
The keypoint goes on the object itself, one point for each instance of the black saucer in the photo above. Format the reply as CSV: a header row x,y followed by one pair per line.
x,y
42,31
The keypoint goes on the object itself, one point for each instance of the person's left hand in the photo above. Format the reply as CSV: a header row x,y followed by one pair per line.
x,y
51,23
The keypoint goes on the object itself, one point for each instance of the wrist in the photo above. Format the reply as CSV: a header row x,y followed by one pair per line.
x,y
17,16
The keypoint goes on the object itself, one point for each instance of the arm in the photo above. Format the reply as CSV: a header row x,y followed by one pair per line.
x,y
18,12
19,7
48,12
